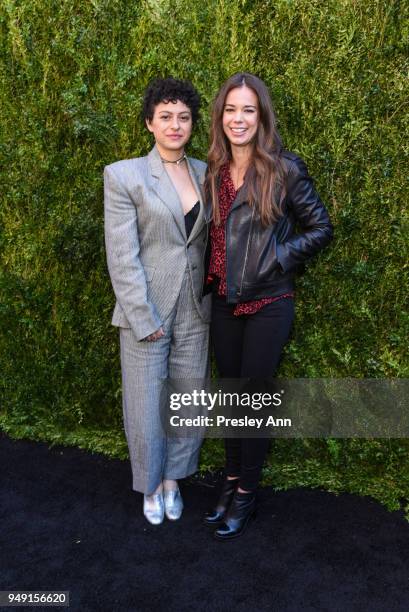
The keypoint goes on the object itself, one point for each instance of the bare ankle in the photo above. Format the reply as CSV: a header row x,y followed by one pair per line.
x,y
170,485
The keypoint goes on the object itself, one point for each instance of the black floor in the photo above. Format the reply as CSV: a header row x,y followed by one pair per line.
x,y
70,521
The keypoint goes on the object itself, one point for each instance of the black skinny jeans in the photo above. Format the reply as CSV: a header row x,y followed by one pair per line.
x,y
249,346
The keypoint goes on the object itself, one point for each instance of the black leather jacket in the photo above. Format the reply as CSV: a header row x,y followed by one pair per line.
x,y
261,261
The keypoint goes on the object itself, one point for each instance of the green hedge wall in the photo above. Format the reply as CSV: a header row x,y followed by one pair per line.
x,y
72,76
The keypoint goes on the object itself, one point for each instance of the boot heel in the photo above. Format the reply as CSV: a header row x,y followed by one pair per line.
x,y
215,517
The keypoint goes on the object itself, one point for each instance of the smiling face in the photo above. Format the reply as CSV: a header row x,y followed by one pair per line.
x,y
171,126
241,116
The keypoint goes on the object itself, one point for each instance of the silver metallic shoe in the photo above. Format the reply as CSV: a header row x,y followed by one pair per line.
x,y
153,508
173,504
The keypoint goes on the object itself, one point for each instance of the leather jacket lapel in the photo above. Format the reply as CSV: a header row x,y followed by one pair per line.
x,y
241,197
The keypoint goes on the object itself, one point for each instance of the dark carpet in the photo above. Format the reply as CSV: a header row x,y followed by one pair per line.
x,y
70,521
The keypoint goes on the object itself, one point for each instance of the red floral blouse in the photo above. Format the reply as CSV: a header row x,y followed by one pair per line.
x,y
227,194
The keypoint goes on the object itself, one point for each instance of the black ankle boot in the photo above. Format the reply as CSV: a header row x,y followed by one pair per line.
x,y
215,517
242,509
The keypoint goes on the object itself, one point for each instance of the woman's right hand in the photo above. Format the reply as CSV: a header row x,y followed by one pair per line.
x,y
159,333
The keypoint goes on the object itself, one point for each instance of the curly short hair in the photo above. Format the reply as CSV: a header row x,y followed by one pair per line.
x,y
170,90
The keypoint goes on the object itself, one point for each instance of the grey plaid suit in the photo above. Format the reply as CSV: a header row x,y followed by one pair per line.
x,y
157,277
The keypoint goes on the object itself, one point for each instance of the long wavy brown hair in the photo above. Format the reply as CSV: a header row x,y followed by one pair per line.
x,y
264,177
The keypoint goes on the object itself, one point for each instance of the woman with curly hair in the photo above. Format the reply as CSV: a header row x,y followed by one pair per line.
x,y
260,194
156,240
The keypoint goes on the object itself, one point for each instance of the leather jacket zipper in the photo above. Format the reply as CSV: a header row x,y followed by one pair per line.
x,y
246,255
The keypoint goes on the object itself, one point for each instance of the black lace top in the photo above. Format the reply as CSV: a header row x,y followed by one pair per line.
x,y
190,218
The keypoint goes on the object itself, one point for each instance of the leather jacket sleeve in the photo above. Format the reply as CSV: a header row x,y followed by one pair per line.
x,y
311,216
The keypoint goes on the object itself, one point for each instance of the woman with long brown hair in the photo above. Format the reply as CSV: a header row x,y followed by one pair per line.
x,y
259,193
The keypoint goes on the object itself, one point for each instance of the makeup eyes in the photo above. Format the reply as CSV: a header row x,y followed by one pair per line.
x,y
246,110
168,117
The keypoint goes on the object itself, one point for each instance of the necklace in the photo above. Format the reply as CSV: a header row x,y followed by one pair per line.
x,y
176,161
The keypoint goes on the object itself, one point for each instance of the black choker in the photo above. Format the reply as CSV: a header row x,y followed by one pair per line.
x,y
176,161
